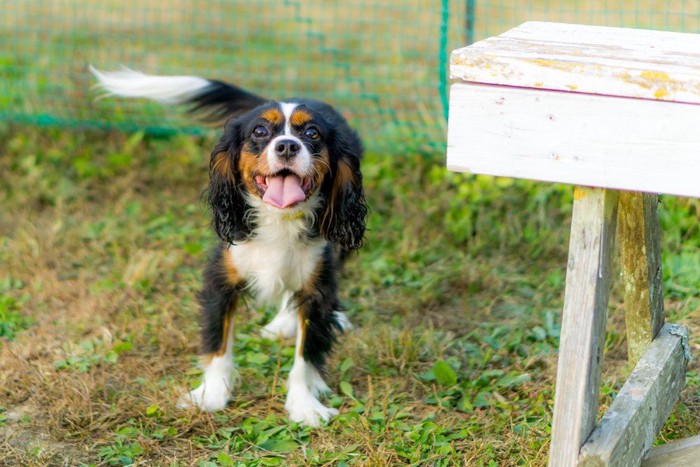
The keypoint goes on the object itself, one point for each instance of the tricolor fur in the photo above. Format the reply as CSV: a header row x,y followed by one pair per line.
x,y
287,203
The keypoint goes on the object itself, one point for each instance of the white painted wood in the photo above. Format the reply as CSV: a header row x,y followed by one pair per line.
x,y
588,59
680,453
626,144
628,428
588,279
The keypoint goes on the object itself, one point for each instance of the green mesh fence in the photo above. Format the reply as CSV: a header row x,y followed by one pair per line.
x,y
383,63
494,17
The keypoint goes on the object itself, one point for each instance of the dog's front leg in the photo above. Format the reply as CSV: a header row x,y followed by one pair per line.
x,y
218,301
305,382
318,323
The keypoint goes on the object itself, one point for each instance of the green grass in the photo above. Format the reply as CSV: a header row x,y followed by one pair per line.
x,y
11,319
456,302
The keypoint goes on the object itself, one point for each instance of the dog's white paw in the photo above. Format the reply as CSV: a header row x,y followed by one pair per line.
x,y
208,398
285,322
302,407
316,385
215,391
343,321
283,325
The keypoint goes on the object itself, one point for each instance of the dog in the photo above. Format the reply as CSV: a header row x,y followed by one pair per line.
x,y
288,205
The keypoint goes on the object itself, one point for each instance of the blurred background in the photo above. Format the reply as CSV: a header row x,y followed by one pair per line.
x,y
384,63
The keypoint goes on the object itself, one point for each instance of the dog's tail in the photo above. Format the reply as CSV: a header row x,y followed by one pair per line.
x,y
211,100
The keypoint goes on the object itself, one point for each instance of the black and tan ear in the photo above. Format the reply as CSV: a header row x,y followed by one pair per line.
x,y
343,221
226,193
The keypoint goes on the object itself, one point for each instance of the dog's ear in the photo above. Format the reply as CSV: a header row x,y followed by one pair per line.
x,y
343,221
226,193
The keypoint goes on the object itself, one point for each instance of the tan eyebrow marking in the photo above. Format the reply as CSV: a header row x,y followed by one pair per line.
x,y
273,116
300,118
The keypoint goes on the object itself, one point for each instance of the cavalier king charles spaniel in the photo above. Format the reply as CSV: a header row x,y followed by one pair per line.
x,y
287,203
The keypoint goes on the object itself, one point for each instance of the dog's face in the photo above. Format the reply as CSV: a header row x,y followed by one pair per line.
x,y
284,154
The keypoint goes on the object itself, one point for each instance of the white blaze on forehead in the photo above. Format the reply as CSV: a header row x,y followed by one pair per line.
x,y
301,164
287,111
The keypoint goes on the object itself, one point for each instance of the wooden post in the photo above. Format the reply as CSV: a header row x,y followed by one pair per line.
x,y
588,279
640,254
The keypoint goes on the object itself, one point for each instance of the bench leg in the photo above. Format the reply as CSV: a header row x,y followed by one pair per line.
x,y
627,430
588,279
640,254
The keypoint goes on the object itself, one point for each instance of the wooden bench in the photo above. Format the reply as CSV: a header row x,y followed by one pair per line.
x,y
615,112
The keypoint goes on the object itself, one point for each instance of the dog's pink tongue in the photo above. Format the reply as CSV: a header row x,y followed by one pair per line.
x,y
284,191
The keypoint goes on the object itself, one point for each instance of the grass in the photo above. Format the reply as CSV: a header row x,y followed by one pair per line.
x,y
456,300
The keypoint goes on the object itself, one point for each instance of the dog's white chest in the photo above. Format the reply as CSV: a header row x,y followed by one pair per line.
x,y
278,259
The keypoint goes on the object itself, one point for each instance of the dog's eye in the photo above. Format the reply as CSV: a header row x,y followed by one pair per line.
x,y
312,133
260,132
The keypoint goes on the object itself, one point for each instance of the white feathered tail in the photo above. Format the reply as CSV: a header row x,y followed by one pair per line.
x,y
217,100
164,89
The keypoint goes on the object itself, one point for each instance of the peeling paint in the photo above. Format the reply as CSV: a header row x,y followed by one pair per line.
x,y
556,64
655,76
627,78
584,66
580,193
661,93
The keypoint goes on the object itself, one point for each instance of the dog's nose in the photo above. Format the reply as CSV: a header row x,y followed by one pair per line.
x,y
287,148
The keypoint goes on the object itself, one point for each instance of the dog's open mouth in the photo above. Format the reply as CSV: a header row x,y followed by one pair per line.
x,y
283,189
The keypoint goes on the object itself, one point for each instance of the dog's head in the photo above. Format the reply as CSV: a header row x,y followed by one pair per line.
x,y
281,156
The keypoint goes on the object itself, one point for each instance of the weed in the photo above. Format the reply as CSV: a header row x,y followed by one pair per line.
x,y
89,353
12,320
